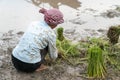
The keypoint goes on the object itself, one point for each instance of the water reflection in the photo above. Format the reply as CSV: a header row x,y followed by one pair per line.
x,y
55,3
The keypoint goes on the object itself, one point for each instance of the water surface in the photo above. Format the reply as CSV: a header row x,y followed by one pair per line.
x,y
17,14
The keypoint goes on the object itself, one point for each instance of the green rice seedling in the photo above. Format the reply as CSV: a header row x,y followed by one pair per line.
x,y
96,67
113,57
66,47
60,43
73,51
102,43
60,49
60,34
66,50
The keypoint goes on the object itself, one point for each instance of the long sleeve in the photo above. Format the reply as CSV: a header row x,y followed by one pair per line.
x,y
52,47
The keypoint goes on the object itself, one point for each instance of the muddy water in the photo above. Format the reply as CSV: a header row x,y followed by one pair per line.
x,y
79,14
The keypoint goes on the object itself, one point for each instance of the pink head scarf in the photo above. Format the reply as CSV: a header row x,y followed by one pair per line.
x,y
52,16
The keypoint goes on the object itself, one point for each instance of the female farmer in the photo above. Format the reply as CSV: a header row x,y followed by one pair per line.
x,y
36,42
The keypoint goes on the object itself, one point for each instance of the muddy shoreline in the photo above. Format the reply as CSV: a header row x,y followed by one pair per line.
x,y
56,71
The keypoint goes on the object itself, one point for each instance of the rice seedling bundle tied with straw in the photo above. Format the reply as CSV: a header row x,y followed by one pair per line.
x,y
96,67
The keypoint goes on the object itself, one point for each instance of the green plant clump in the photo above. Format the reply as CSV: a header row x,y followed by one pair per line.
x,y
113,34
60,34
102,43
65,47
96,67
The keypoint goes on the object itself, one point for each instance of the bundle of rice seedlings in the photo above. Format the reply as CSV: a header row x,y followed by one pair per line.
x,y
65,47
113,34
60,34
96,67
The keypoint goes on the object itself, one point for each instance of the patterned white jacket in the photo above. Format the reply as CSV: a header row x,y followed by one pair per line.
x,y
38,35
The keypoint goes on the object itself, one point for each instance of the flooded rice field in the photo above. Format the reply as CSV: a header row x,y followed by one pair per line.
x,y
82,19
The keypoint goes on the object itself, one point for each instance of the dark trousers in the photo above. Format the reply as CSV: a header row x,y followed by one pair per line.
x,y
29,67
